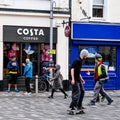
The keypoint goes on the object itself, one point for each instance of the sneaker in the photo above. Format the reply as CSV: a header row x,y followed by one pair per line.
x,y
50,96
91,103
16,90
109,103
25,93
8,90
29,93
102,98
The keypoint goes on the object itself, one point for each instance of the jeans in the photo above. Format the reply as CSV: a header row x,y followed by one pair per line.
x,y
77,95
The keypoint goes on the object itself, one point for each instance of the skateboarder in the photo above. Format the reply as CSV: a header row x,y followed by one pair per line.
x,y
77,82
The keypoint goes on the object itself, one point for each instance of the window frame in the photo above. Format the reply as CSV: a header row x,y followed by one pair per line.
x,y
104,11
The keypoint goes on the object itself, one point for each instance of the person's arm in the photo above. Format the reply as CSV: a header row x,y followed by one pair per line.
x,y
56,75
72,76
81,79
27,68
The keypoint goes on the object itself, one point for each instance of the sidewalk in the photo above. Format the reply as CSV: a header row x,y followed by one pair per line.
x,y
114,93
17,106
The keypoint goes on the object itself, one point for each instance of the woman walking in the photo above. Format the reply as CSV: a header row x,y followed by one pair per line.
x,y
57,82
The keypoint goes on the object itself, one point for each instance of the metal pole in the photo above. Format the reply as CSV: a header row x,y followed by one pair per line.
x,y
36,84
51,28
51,33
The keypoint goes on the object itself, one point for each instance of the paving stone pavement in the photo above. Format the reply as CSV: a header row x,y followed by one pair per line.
x,y
17,106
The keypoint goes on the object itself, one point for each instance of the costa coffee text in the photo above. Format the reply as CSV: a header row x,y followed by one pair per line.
x,y
30,32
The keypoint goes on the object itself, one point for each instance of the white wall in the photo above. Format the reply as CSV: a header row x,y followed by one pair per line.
x,y
112,13
63,52
33,4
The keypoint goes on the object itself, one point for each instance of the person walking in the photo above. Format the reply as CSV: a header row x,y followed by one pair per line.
x,y
13,72
77,82
57,82
100,73
28,73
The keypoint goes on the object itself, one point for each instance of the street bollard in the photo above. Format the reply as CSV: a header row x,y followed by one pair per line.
x,y
36,84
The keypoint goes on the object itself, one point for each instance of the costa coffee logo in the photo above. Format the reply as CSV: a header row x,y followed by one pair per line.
x,y
30,32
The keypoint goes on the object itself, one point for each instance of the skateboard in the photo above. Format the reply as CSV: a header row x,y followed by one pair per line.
x,y
74,112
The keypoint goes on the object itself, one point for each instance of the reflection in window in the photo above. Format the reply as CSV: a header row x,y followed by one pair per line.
x,y
108,58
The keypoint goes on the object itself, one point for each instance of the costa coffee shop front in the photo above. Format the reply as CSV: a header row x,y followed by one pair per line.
x,y
27,41
97,38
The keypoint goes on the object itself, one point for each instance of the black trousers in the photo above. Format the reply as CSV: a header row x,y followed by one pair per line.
x,y
77,95
27,84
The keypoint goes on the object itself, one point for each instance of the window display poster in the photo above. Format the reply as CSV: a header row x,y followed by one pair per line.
x,y
92,51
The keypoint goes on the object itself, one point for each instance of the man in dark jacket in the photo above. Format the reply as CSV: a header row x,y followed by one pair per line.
x,y
77,82
13,72
100,74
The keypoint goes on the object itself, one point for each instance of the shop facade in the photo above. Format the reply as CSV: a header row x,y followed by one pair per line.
x,y
26,35
100,38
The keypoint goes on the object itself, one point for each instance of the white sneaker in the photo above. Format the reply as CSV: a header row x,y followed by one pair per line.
x,y
29,93
25,93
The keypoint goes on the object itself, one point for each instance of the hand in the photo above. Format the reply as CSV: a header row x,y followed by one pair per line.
x,y
83,82
73,82
88,73
23,64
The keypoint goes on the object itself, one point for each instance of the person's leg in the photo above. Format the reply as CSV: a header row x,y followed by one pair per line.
x,y
65,94
52,93
27,84
96,93
15,83
9,83
75,96
82,93
102,91
9,87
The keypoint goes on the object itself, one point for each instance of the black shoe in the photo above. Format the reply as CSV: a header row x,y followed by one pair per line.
x,y
50,96
102,98
98,99
109,103
83,108
91,103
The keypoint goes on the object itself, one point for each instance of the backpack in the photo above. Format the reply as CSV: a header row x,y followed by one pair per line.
x,y
106,78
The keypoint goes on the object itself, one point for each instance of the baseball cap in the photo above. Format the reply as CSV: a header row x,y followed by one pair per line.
x,y
98,57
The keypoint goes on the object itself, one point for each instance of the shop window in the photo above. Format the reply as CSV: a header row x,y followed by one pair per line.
x,y
98,8
108,58
10,49
38,54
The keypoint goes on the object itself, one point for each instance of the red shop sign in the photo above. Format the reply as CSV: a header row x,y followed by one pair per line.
x,y
67,31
